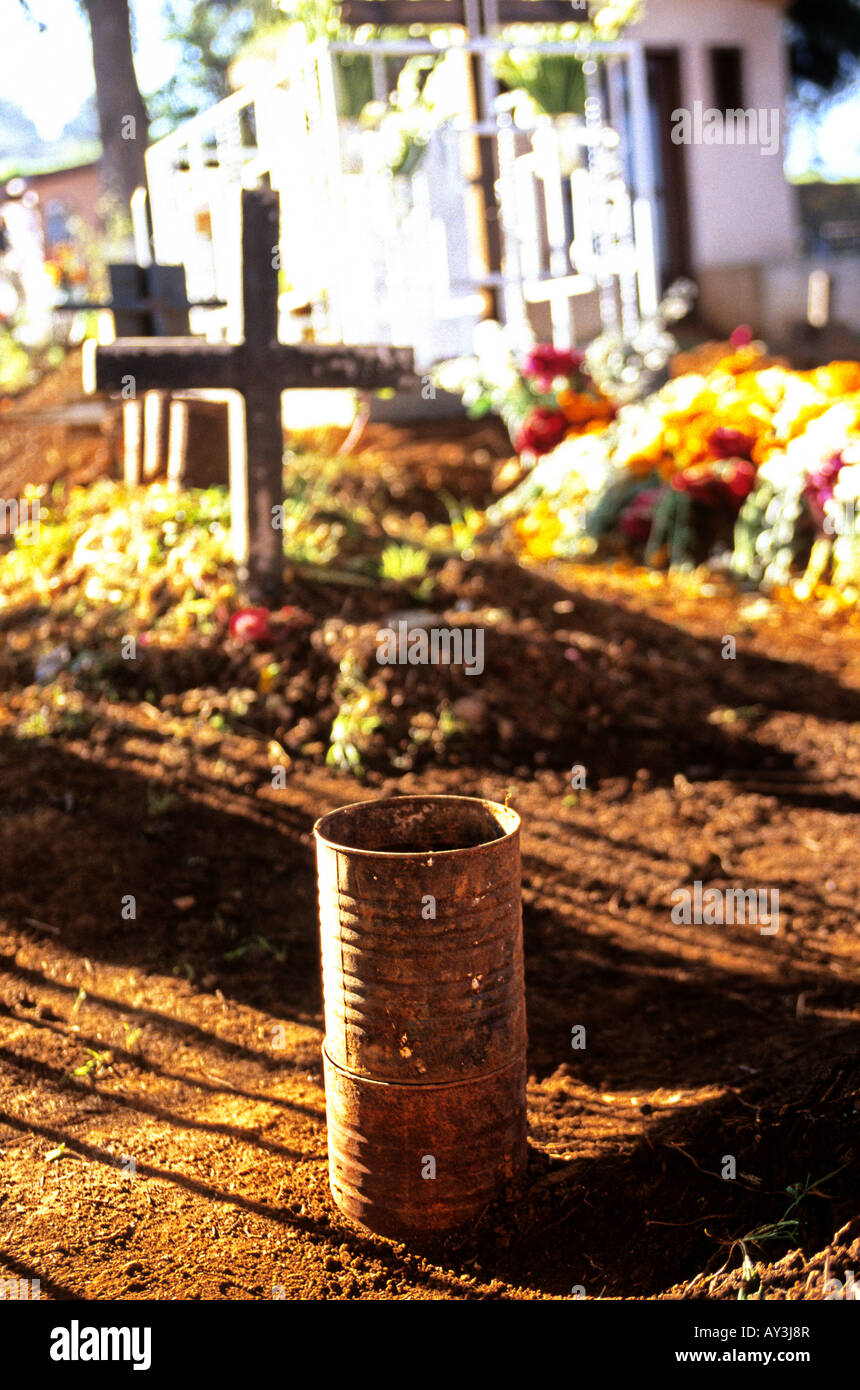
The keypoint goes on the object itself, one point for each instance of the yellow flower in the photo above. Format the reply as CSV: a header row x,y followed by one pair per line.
x,y
539,530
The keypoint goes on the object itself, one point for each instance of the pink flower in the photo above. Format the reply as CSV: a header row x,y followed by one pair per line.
x,y
742,336
544,364
819,485
251,625
541,430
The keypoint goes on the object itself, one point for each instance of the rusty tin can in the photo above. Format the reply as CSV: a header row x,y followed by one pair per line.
x,y
420,915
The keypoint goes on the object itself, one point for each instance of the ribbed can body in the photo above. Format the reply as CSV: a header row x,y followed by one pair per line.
x,y
424,1006
407,1160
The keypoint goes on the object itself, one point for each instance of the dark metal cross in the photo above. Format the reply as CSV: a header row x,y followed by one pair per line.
x,y
260,367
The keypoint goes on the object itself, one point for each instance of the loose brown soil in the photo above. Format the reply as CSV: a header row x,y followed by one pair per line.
x,y
201,1019
44,452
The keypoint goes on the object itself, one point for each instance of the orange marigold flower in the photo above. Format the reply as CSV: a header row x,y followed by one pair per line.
x,y
836,378
579,408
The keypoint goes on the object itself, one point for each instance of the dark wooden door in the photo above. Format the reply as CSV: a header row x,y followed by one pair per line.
x,y
673,221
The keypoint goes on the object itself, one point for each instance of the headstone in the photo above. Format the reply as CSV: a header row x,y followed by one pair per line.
x,y
198,450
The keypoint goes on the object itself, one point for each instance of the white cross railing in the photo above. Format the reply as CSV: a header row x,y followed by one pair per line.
x,y
395,257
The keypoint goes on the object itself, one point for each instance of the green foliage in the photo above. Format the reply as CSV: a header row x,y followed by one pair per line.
x,y
21,367
209,35
672,526
825,42
357,719
97,1065
426,96
788,1226
768,535
554,81
116,564
355,83
256,946
16,370
320,17
465,523
403,563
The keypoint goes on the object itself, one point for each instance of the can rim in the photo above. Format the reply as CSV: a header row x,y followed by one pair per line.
x,y
507,814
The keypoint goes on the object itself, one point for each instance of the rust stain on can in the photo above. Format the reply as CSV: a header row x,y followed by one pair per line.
x,y
420,914
409,1160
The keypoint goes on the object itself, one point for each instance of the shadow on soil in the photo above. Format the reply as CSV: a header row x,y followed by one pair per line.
x,y
77,836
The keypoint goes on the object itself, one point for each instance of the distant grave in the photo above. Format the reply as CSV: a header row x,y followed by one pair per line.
x,y
260,368
182,436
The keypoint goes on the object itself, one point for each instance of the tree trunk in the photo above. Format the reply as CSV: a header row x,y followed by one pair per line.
x,y
122,114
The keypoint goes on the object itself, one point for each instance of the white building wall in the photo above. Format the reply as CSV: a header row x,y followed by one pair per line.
x,y
741,208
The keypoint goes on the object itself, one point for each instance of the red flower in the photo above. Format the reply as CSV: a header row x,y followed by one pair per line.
x,y
740,478
251,625
638,516
727,443
541,430
544,363
730,481
742,336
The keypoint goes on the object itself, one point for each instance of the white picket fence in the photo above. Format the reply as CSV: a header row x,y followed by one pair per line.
x,y
396,257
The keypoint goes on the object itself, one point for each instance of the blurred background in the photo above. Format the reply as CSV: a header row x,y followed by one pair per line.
x,y
535,181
